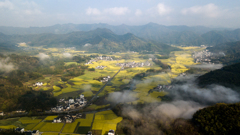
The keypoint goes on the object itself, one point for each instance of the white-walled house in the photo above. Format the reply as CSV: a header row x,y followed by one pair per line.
x,y
70,101
111,132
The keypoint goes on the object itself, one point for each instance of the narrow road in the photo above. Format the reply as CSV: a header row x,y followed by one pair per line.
x,y
62,128
103,87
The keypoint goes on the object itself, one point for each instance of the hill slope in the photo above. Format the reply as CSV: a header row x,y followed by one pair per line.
x,y
179,35
99,40
228,76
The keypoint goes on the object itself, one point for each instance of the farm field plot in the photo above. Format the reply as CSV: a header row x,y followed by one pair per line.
x,y
50,133
50,118
30,122
79,123
70,127
52,127
105,121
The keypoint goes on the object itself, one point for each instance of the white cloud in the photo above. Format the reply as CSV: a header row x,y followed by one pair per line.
x,y
92,11
209,10
43,56
162,9
6,4
117,10
138,12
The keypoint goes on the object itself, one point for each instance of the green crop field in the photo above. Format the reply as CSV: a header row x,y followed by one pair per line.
x,y
50,133
52,127
48,118
70,127
105,121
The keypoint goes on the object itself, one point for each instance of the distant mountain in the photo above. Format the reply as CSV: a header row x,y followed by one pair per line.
x,y
99,40
179,35
228,76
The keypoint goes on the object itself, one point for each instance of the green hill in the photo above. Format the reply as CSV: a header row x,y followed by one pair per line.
x,y
228,76
99,40
220,119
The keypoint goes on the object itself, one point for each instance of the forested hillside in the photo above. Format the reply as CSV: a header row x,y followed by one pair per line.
x,y
228,76
220,119
99,40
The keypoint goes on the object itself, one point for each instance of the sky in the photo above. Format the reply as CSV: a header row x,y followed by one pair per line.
x,y
38,13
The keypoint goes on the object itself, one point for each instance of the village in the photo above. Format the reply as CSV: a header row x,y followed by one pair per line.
x,y
203,57
107,58
133,64
70,104
160,88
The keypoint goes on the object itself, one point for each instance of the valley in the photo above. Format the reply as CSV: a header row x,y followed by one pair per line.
x,y
133,84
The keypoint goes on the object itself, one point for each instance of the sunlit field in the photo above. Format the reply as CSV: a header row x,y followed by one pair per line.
x,y
105,121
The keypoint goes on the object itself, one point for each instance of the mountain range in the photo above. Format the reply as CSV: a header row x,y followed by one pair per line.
x,y
100,40
178,35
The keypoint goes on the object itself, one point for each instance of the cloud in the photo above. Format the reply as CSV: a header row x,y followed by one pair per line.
x,y
119,97
211,95
6,4
43,56
208,66
92,11
6,66
177,109
162,9
67,55
117,10
87,87
138,12
209,10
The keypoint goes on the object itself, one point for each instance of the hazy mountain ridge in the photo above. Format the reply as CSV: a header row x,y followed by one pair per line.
x,y
179,35
98,40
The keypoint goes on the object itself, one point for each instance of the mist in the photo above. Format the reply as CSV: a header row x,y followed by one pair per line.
x,y
186,100
6,65
208,66
67,55
43,56
120,97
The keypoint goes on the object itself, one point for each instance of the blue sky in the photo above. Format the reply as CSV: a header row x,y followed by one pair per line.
x,y
212,13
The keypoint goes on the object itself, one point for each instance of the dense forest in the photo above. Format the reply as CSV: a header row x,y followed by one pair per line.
x,y
228,76
220,119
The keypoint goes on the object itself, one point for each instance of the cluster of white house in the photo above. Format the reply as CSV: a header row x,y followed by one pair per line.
x,y
105,79
163,87
70,104
38,84
134,64
100,67
107,58
205,56
21,130
67,118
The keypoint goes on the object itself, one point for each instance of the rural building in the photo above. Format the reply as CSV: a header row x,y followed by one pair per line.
x,y
21,130
111,132
38,84
1,113
57,120
70,101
